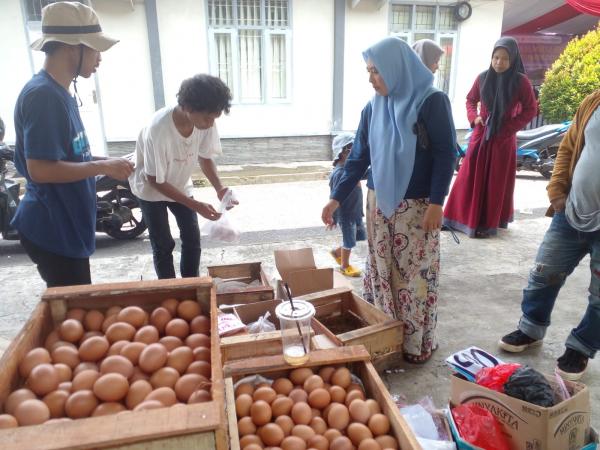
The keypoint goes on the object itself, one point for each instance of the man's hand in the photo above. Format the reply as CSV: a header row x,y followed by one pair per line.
x,y
433,218
559,203
117,168
327,214
206,210
221,193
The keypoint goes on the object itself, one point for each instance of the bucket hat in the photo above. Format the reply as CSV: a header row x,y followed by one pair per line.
x,y
72,23
339,142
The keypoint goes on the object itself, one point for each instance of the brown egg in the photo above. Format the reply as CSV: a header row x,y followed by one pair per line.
x,y
315,412
250,439
358,432
201,354
318,442
66,355
188,309
170,305
199,396
303,431
76,314
117,364
153,357
313,382
32,412
331,434
81,404
164,377
341,377
51,339
369,444
338,417
55,401
111,387
264,393
187,384
282,406
137,393
84,380
93,349
147,334
260,412
159,318
116,347
65,386
17,397
341,443
299,376
298,395
354,387
170,342
132,351
387,441
301,413
93,320
108,321
61,344
246,426
293,443
200,367
197,340
180,359
8,421
138,374
71,330
120,331
256,447
319,398
43,379
359,411
379,424
373,406
285,423
165,395
326,372
318,424
113,311
150,404
354,395
105,409
34,358
133,315
178,328
282,386
244,388
85,366
89,334
242,405
271,434
200,324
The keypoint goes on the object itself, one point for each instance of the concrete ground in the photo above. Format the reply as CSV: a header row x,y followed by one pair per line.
x,y
480,285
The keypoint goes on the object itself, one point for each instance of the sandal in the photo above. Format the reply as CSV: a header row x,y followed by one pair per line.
x,y
419,359
482,234
351,271
338,259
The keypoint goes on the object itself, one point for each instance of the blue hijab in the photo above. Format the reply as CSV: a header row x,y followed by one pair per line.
x,y
391,136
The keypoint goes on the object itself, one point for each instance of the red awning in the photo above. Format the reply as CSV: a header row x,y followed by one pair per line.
x,y
591,7
551,18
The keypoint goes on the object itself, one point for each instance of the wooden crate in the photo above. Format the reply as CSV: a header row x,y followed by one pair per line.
x,y
243,272
195,426
356,358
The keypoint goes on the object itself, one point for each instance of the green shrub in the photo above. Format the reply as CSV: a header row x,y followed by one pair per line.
x,y
574,75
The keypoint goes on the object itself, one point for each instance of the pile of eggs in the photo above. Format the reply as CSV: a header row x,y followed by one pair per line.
x,y
97,363
307,410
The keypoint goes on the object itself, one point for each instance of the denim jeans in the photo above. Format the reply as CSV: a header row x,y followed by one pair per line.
x,y
157,218
559,254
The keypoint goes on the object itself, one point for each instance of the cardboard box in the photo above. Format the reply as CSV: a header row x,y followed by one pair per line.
x,y
299,270
246,272
564,426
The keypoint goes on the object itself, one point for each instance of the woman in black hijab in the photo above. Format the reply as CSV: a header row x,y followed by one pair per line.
x,y
499,104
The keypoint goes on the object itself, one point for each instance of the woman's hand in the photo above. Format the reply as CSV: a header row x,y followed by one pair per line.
x,y
558,204
328,210
433,218
478,120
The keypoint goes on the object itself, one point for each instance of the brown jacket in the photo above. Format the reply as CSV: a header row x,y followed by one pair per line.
x,y
570,150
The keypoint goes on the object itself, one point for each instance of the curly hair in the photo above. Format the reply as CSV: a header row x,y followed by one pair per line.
x,y
204,93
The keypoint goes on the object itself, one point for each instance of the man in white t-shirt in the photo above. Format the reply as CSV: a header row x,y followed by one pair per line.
x,y
166,154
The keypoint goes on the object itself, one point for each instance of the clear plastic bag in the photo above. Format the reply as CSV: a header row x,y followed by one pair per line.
x,y
223,229
263,324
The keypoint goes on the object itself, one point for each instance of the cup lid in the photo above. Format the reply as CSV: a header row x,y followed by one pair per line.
x,y
302,310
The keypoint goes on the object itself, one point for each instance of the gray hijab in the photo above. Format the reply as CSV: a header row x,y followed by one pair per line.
x,y
428,51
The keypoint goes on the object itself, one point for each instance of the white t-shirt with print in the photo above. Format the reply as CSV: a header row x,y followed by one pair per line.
x,y
161,151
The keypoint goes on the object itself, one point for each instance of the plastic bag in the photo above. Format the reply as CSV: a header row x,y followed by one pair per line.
x,y
495,377
223,229
479,427
531,386
261,325
420,421
428,444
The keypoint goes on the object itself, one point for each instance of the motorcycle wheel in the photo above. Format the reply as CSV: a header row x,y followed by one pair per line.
x,y
548,155
132,228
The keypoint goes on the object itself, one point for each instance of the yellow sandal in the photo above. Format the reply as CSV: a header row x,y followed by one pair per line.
x,y
351,271
338,259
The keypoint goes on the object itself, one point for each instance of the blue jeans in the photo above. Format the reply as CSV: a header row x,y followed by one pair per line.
x,y
157,218
352,231
559,254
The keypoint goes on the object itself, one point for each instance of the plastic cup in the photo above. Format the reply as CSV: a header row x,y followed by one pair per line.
x,y
295,330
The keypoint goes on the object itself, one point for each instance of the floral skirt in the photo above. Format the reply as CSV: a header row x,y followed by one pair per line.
x,y
401,276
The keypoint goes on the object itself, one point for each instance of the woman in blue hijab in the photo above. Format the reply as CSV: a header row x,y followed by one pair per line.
x,y
406,134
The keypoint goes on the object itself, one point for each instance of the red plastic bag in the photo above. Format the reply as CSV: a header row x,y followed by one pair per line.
x,y
495,377
479,427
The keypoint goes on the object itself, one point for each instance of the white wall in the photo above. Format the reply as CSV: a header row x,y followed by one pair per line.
x,y
16,67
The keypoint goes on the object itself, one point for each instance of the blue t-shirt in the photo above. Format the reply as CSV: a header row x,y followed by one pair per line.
x,y
351,209
58,217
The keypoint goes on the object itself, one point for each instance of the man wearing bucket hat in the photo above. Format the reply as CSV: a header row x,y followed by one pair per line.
x,y
349,216
56,219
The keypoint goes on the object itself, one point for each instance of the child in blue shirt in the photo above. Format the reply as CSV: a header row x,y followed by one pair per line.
x,y
349,216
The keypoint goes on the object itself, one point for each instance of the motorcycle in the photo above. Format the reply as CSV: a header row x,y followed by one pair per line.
x,y
118,212
536,148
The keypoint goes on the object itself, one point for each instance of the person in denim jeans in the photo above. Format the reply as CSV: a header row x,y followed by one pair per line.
x,y
574,193
177,139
